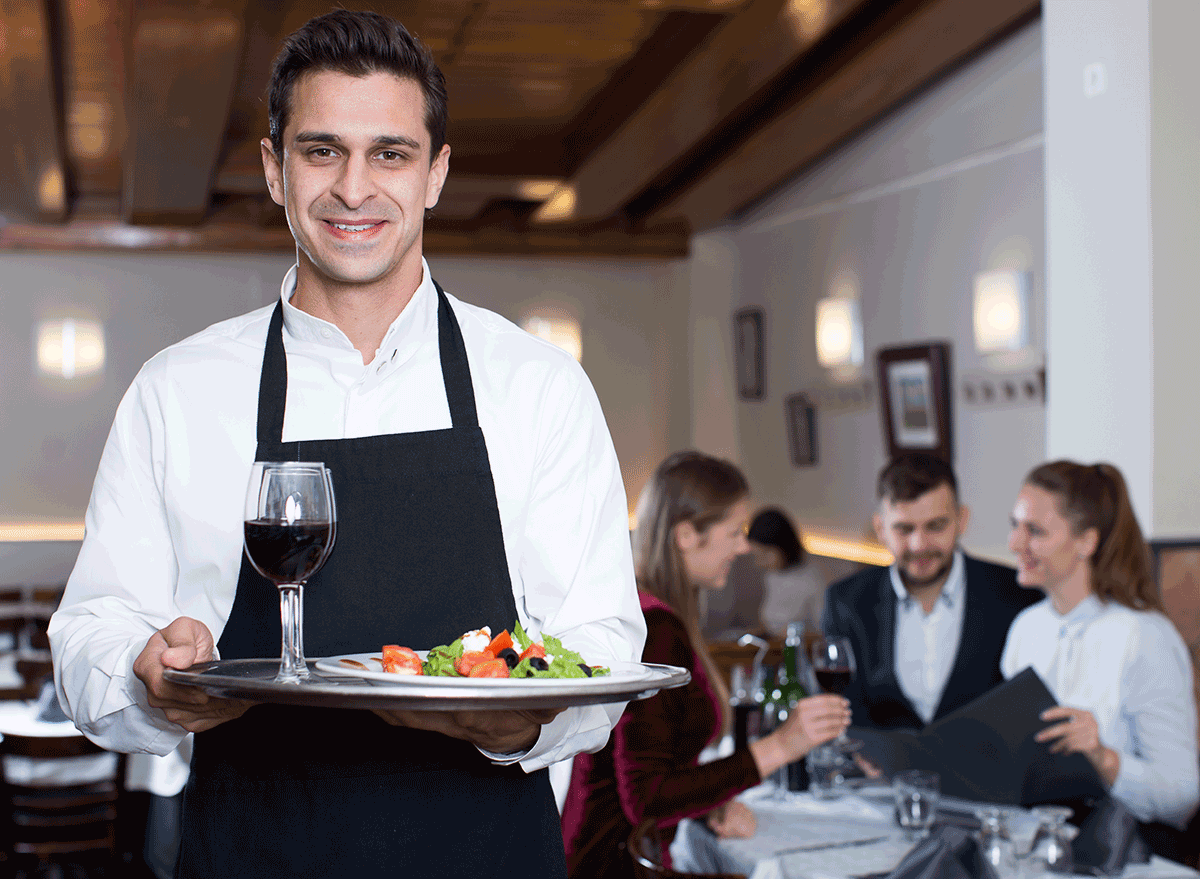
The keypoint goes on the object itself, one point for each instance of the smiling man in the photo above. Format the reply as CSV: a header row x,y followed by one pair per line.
x,y
475,481
927,632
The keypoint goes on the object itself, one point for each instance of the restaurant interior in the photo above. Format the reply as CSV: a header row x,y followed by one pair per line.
x,y
742,217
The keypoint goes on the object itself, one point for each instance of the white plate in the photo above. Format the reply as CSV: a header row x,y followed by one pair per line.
x,y
369,667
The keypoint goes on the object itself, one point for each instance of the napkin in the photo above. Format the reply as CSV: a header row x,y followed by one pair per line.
x,y
947,853
1109,839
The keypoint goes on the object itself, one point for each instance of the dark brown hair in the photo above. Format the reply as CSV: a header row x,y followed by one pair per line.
x,y
357,44
687,487
1096,497
906,477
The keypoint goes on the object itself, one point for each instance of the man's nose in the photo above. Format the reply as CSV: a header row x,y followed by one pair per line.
x,y
355,184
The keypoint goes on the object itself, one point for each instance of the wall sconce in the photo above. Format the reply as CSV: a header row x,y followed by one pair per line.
x,y
1001,311
839,333
557,329
70,348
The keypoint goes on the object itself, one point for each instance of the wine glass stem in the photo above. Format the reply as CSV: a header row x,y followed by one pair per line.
x,y
292,667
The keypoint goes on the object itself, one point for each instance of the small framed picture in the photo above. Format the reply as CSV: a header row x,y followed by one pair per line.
x,y
802,430
751,358
914,385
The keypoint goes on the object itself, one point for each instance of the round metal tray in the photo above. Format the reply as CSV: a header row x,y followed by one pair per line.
x,y
254,680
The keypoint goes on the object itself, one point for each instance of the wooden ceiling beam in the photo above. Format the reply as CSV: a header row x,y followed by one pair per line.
x,y
33,172
183,63
738,66
440,238
918,50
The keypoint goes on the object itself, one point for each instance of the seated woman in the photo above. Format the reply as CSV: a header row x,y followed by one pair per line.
x,y
691,517
794,591
1115,664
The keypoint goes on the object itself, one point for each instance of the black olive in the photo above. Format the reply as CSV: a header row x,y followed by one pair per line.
x,y
510,656
587,669
538,663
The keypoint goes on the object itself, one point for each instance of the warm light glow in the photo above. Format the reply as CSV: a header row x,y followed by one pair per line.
x,y
70,348
560,206
19,532
839,333
807,17
861,551
557,329
537,190
633,520
88,128
51,189
1001,311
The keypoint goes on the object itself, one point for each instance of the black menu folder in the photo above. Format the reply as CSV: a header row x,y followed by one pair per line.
x,y
985,750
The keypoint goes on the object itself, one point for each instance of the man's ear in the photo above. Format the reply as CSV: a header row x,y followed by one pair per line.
x,y
438,170
964,519
272,170
686,536
877,523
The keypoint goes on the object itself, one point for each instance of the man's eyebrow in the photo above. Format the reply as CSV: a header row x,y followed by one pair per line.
x,y
381,140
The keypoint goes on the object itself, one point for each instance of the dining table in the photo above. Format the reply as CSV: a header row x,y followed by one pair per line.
x,y
852,836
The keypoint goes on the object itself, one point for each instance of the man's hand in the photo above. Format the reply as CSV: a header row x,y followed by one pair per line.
x,y
181,645
501,732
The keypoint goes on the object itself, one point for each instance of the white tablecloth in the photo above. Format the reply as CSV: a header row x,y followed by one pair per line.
x,y
806,838
20,718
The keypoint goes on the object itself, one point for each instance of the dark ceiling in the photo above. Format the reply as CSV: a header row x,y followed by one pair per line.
x,y
577,126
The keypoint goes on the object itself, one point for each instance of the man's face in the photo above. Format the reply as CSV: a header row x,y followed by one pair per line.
x,y
922,534
355,178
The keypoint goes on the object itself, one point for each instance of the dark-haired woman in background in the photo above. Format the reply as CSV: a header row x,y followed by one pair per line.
x,y
1115,664
793,591
690,526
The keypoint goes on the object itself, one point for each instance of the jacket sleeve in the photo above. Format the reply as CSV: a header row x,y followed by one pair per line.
x,y
656,741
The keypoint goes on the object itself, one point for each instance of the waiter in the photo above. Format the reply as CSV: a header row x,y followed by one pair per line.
x,y
476,484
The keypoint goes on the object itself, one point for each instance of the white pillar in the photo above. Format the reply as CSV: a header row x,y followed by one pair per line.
x,y
1123,232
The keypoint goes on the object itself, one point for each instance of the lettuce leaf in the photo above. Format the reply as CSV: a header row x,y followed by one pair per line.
x,y
440,661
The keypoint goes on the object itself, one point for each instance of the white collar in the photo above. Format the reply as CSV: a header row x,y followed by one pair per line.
x,y
417,317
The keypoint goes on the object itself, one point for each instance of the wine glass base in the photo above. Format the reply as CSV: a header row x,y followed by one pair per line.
x,y
847,746
296,677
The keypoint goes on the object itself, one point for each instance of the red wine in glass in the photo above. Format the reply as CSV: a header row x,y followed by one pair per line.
x,y
286,553
834,680
289,529
833,667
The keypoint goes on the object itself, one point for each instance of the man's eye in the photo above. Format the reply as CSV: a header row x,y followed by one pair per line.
x,y
321,152
390,155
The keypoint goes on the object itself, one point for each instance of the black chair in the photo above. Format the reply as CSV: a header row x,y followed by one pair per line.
x,y
54,822
646,851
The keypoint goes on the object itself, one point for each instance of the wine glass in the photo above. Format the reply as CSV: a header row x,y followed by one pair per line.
x,y
833,667
290,525
1051,849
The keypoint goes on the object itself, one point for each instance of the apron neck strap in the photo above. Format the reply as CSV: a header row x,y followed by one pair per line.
x,y
456,374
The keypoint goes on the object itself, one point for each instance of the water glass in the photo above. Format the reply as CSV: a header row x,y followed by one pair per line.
x,y
916,793
827,768
995,841
1051,849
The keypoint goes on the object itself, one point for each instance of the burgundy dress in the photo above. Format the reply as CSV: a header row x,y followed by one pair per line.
x,y
649,767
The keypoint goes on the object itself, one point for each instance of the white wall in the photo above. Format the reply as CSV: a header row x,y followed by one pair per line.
x,y
945,187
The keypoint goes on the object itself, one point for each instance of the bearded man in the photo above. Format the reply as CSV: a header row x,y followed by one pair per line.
x,y
927,632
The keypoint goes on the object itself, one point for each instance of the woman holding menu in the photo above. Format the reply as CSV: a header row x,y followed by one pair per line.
x,y
1115,664
691,526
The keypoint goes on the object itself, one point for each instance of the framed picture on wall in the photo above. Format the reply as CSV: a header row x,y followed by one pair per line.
x,y
748,349
914,385
802,430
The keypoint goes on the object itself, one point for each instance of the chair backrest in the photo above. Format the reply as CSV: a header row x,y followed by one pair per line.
x,y
646,852
53,804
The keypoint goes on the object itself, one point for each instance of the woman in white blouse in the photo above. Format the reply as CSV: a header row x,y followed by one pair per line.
x,y
1115,664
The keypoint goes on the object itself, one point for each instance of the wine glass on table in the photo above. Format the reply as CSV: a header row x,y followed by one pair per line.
x,y
833,667
290,525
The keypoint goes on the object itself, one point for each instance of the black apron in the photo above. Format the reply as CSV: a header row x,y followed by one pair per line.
x,y
285,791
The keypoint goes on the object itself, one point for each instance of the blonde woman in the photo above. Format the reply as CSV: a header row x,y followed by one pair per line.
x,y
691,526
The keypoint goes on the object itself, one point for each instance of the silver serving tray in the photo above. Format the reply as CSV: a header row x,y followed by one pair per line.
x,y
254,680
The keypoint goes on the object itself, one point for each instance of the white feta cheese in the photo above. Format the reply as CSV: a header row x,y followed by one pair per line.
x,y
477,640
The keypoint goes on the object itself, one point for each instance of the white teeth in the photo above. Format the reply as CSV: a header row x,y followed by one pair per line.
x,y
346,228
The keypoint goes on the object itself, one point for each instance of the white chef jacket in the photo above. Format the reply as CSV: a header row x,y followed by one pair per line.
x,y
164,525
1132,671
927,643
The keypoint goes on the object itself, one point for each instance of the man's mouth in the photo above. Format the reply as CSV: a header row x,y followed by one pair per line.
x,y
354,227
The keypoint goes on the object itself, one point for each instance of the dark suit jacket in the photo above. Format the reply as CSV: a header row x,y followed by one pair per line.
x,y
862,608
